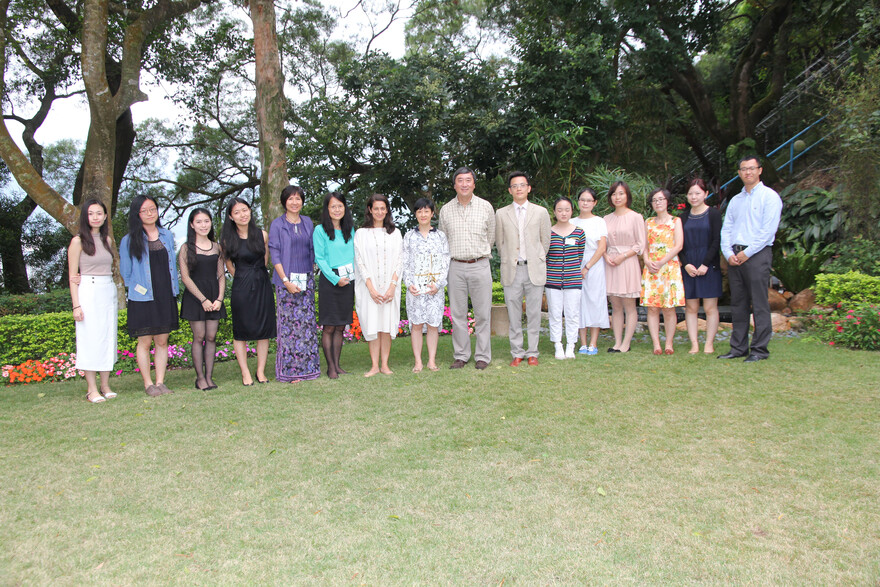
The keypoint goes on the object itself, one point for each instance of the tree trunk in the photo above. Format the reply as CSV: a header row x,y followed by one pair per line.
x,y
270,107
15,278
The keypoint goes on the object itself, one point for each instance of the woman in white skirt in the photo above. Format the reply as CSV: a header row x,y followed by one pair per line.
x,y
594,303
90,262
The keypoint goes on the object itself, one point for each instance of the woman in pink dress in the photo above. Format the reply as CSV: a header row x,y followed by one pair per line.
x,y
626,241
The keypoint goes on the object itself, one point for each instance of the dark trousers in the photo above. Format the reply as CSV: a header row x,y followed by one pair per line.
x,y
748,295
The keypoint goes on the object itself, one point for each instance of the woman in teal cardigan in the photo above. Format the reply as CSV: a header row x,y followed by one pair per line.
x,y
334,255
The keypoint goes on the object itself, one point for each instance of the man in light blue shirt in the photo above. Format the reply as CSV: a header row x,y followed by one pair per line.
x,y
747,237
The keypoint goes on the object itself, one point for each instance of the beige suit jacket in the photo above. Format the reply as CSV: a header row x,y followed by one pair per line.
x,y
537,228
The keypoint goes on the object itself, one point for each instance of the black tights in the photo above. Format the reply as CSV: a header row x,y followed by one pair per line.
x,y
331,342
203,348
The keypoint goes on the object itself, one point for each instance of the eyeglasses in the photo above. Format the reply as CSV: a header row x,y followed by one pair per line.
x,y
658,201
516,186
749,169
149,211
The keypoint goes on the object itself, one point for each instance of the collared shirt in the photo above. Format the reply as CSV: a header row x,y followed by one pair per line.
x,y
751,220
521,215
469,229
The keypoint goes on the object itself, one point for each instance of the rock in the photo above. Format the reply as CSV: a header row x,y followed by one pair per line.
x,y
786,311
777,301
780,323
500,323
799,324
701,326
803,301
787,295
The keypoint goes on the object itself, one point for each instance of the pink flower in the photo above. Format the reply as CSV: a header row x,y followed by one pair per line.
x,y
832,342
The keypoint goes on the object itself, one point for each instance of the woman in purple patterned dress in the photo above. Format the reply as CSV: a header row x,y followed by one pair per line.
x,y
293,255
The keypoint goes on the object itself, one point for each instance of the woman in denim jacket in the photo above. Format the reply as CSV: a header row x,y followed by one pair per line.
x,y
146,261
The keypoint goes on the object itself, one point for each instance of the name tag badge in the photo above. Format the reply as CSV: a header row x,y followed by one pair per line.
x,y
570,242
140,289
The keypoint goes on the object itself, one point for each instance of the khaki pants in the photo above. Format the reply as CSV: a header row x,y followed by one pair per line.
x,y
472,280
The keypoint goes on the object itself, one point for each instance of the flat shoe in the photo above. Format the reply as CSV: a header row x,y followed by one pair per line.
x,y
730,356
251,384
266,381
614,350
153,391
96,399
109,394
754,359
163,388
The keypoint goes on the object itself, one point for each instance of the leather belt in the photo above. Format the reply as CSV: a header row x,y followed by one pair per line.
x,y
469,260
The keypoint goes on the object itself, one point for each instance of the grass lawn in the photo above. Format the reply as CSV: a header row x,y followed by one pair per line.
x,y
608,469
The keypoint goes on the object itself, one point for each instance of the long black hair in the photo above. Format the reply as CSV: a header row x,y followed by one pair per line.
x,y
191,237
85,229
387,222
346,225
136,226
229,240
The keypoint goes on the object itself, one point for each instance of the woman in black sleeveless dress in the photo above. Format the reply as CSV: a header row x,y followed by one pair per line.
x,y
204,278
246,252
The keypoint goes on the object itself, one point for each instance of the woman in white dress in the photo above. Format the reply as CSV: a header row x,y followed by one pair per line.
x,y
93,293
594,302
377,254
425,268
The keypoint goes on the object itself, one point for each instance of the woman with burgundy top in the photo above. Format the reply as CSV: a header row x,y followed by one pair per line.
x,y
293,257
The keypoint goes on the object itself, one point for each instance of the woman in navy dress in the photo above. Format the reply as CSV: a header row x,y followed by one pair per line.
x,y
699,260
245,248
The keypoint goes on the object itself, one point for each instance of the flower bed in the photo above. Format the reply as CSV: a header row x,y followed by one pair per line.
x,y
855,326
61,367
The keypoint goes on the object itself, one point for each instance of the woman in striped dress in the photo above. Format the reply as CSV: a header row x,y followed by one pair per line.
x,y
564,277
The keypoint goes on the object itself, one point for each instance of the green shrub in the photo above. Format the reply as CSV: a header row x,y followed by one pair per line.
x,y
46,335
810,217
833,289
54,301
855,326
797,268
855,254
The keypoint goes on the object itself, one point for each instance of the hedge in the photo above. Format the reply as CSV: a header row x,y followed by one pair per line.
x,y
845,288
46,335
54,301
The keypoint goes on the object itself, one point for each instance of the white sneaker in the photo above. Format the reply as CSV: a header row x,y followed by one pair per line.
x,y
569,350
584,350
560,351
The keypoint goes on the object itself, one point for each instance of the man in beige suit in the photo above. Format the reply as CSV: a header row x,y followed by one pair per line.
x,y
522,235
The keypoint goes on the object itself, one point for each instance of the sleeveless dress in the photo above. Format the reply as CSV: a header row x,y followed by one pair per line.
x,y
158,316
697,239
204,276
252,302
665,288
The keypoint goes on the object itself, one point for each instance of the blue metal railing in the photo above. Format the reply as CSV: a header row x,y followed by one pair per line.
x,y
792,157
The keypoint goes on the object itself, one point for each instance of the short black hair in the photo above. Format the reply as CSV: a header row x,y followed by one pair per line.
x,y
514,174
423,203
749,158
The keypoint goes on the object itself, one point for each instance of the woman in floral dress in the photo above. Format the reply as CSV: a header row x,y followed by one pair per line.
x,y
662,286
425,266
